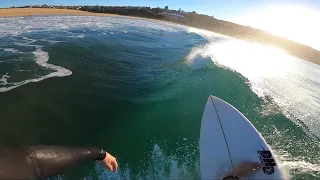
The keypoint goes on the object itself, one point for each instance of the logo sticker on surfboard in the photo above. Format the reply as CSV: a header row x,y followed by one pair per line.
x,y
267,161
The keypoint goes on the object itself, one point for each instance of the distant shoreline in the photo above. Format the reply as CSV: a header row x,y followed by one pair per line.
x,y
12,12
195,20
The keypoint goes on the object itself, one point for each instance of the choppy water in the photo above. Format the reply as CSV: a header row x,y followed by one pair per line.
x,y
137,88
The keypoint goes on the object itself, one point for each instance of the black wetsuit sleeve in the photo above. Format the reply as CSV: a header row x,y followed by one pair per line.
x,y
37,162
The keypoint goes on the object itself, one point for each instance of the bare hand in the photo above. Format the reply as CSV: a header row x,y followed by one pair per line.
x,y
244,169
109,162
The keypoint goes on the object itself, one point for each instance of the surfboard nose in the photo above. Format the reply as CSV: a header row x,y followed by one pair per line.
x,y
216,100
210,98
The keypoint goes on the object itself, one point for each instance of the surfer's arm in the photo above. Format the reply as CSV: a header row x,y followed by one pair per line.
x,y
46,161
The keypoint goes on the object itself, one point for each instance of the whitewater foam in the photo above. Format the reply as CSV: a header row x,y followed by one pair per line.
x,y
12,50
42,57
15,26
289,164
159,166
79,36
3,79
198,58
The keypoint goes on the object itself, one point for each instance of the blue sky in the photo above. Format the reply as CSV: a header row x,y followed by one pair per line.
x,y
222,9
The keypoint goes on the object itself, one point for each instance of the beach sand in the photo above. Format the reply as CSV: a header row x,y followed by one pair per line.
x,y
47,11
11,12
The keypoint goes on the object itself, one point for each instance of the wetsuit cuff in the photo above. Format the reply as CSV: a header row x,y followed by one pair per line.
x,y
102,154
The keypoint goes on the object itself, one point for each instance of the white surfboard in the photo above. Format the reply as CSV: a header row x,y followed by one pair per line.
x,y
228,138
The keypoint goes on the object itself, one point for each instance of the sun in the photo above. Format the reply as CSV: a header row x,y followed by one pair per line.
x,y
293,22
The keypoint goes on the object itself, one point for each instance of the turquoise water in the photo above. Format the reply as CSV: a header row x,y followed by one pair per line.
x,y
138,88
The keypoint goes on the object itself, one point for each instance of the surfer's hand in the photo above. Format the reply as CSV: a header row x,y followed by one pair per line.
x,y
244,169
110,162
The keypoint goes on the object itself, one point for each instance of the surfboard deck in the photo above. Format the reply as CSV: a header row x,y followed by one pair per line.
x,y
228,138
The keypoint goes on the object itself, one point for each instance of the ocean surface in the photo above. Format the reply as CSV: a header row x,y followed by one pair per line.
x,y
138,88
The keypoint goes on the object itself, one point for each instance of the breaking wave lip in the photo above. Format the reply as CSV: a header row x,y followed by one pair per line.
x,y
206,34
198,59
41,58
270,73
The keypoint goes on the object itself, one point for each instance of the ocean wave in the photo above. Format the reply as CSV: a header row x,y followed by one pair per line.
x,y
39,32
15,26
40,57
289,81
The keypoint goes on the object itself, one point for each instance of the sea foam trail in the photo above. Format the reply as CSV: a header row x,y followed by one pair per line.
x,y
41,58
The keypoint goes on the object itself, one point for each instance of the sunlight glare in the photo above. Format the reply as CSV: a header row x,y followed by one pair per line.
x,y
296,23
